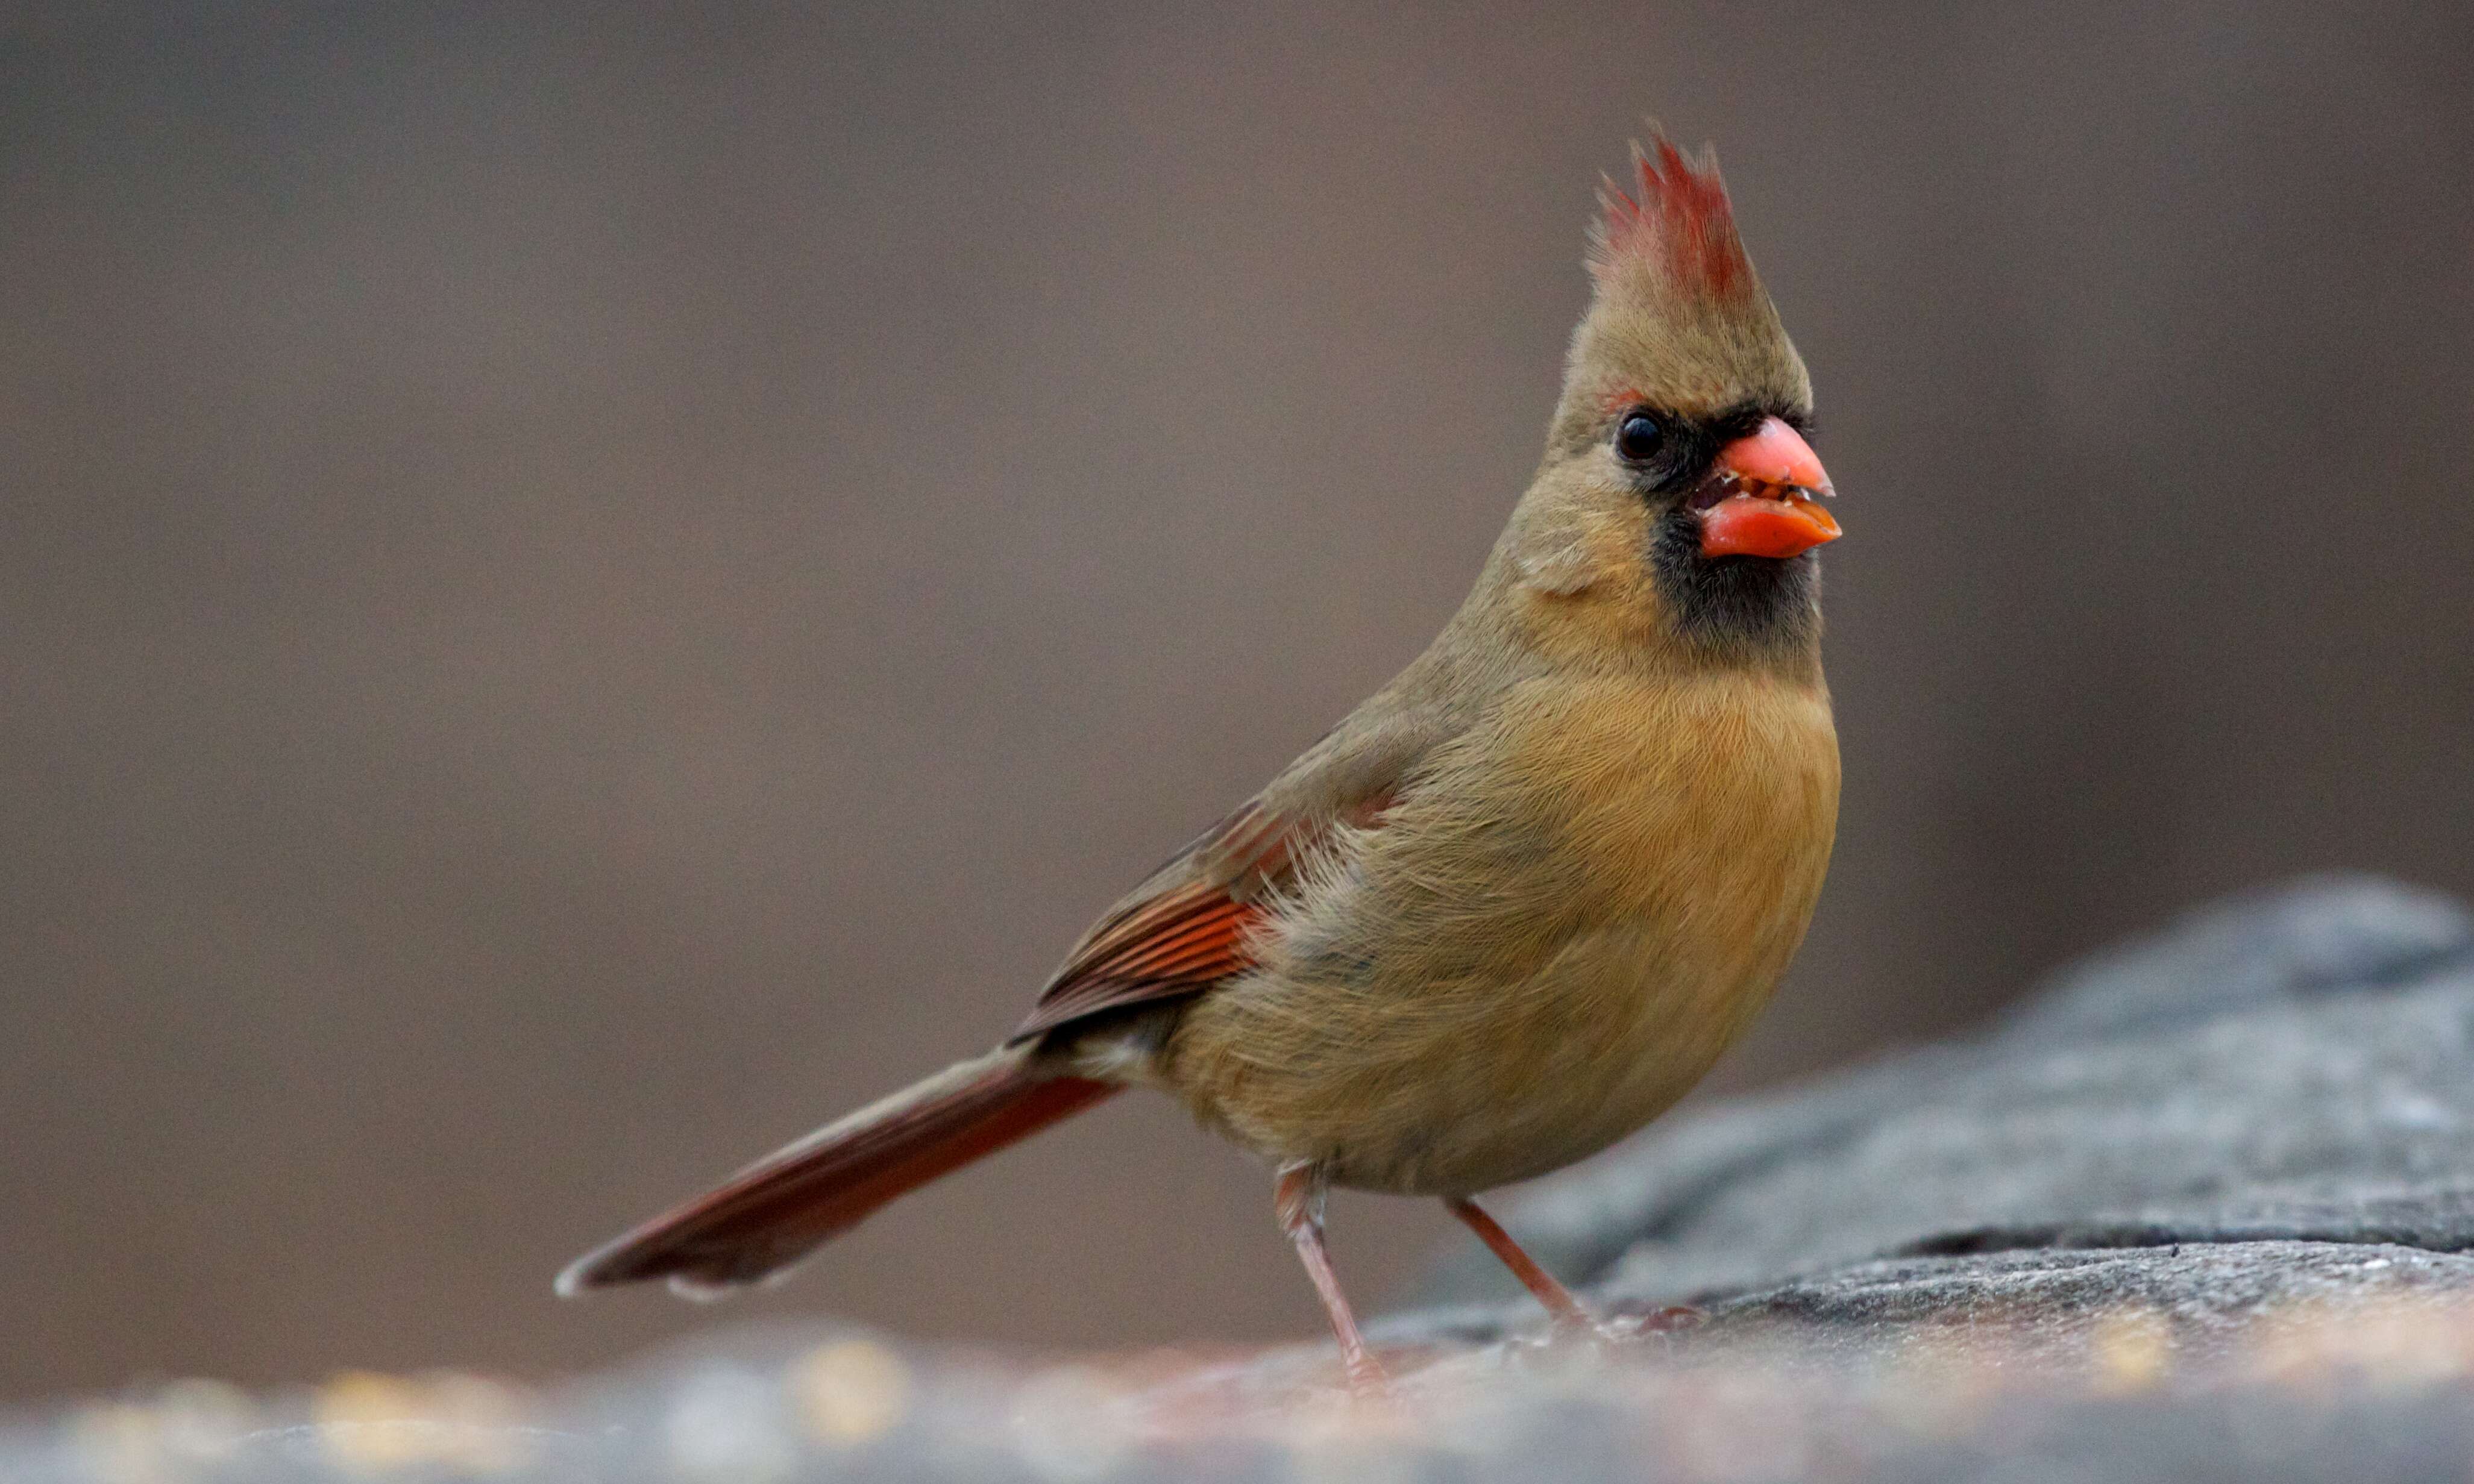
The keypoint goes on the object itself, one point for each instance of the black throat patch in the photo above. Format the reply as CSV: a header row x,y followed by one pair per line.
x,y
1755,607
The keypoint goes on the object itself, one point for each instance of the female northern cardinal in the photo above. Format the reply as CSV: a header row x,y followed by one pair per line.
x,y
1516,903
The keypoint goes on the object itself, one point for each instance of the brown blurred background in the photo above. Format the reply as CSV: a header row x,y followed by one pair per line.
x,y
583,589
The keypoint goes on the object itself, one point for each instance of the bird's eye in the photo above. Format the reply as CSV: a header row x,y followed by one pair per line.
x,y
1637,437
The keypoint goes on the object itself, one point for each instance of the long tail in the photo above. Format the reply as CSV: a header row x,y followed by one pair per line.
x,y
778,1210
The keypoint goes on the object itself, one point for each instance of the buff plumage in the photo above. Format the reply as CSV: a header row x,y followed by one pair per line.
x,y
1515,904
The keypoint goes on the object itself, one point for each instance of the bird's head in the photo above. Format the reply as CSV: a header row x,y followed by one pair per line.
x,y
1679,497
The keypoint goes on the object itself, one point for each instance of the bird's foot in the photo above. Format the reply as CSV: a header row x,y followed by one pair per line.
x,y
1623,1330
1585,1327
1367,1381
1635,1322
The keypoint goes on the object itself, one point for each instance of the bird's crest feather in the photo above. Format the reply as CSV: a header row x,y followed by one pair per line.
x,y
1676,223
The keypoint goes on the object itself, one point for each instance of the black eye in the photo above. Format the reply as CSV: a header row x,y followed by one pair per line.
x,y
1638,435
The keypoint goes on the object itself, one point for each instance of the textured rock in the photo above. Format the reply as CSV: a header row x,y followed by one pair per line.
x,y
2203,1209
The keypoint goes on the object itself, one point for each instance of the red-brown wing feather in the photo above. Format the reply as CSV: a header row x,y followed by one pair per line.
x,y
1185,940
1191,926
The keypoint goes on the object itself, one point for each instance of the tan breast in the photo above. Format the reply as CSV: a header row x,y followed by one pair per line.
x,y
1550,939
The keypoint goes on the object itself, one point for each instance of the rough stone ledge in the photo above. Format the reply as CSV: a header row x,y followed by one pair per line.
x,y
2202,1209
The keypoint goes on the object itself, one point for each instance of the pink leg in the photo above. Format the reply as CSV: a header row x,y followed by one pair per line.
x,y
1298,1197
1569,1311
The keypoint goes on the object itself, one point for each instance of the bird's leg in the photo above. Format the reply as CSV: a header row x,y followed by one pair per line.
x,y
1298,1196
1569,1313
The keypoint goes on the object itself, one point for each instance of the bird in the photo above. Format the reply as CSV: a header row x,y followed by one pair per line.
x,y
1513,906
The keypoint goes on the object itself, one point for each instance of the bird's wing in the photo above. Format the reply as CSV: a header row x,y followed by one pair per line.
x,y
1190,925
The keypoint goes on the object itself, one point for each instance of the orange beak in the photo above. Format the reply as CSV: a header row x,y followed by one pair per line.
x,y
1760,499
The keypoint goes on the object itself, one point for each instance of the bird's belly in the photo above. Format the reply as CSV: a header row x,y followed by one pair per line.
x,y
1475,1038
1497,1083
1604,1038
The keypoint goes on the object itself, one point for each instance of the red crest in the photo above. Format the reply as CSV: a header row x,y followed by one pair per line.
x,y
1678,217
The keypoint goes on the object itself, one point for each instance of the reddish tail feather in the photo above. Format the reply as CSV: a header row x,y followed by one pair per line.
x,y
776,1211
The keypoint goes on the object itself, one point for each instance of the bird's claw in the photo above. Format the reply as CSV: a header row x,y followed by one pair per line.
x,y
1668,1320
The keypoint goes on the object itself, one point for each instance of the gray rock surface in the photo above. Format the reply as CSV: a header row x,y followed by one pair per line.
x,y
2202,1208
